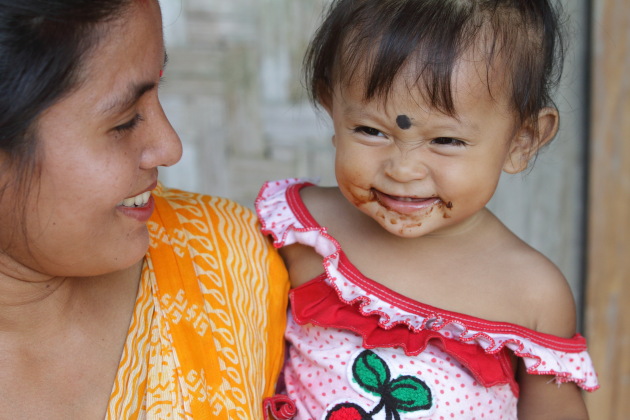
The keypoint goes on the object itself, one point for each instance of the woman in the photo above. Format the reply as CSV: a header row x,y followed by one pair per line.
x,y
118,297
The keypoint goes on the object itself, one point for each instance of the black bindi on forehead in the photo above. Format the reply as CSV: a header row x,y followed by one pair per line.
x,y
403,122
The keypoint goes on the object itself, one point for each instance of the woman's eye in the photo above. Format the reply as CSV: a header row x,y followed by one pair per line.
x,y
368,130
129,125
448,141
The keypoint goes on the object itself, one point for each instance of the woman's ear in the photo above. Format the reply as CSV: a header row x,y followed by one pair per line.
x,y
527,141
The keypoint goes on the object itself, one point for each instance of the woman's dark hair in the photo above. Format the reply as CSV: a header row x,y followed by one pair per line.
x,y
43,45
377,38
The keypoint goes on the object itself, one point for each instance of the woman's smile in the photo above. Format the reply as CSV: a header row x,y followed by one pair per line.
x,y
139,200
141,212
140,206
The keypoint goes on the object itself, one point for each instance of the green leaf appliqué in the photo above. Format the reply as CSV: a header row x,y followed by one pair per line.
x,y
404,394
410,394
371,372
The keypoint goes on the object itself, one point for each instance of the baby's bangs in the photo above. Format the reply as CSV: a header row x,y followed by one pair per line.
x,y
370,43
417,36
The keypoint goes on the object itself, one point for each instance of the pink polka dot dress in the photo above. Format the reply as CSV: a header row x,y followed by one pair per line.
x,y
360,351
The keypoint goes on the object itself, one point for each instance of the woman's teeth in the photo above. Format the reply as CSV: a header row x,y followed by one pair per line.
x,y
137,201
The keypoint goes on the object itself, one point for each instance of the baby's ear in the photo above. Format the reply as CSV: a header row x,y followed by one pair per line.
x,y
324,98
528,141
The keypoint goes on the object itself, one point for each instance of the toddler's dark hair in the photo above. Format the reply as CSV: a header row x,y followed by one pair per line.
x,y
377,38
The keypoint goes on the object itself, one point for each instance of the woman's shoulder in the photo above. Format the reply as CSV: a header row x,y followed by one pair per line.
x,y
199,227
205,218
179,199
202,208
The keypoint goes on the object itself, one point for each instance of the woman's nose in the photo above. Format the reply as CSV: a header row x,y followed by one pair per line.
x,y
163,146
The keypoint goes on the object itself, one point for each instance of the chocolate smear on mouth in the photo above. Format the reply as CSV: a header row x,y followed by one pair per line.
x,y
403,122
449,206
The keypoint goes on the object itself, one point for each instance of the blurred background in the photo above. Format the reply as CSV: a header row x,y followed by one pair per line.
x,y
233,92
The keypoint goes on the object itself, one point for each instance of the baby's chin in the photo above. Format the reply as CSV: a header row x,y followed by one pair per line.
x,y
401,225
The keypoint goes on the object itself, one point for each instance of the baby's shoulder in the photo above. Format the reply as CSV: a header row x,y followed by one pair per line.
x,y
542,292
315,196
327,205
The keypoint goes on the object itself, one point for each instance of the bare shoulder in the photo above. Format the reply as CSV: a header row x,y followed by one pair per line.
x,y
321,199
327,205
543,292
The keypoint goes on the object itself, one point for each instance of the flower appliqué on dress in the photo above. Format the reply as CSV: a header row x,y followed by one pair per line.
x,y
397,397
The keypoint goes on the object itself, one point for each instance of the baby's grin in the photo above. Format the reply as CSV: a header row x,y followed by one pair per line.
x,y
403,204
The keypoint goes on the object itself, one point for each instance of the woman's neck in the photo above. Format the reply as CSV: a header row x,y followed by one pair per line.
x,y
62,340
30,301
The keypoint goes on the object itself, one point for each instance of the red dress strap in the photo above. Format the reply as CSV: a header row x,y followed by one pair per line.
x,y
279,407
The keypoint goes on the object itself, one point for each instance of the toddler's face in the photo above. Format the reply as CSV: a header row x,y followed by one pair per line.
x,y
415,170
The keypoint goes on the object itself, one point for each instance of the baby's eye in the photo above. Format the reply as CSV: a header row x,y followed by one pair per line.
x,y
447,141
368,130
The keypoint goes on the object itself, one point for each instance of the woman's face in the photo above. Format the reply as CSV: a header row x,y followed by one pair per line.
x,y
98,146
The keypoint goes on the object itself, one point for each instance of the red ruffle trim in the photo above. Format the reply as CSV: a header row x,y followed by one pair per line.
x,y
307,301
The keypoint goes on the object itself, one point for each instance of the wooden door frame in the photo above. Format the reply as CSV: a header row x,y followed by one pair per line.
x,y
607,298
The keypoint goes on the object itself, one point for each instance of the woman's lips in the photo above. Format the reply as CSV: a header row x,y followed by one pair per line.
x,y
140,213
140,206
405,205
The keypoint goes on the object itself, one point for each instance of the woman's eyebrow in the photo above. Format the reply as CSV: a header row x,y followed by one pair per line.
x,y
135,92
132,95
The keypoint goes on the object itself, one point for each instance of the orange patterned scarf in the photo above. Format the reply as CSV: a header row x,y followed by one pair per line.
x,y
206,338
